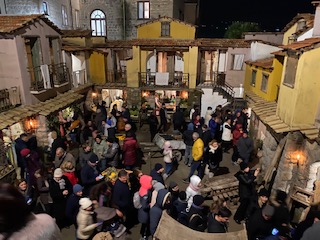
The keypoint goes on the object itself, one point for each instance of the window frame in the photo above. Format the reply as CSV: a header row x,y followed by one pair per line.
x,y
165,29
291,71
253,79
233,61
102,25
64,13
76,18
264,82
143,4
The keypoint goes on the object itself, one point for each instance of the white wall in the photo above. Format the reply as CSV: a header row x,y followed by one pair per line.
x,y
307,34
78,62
209,99
262,51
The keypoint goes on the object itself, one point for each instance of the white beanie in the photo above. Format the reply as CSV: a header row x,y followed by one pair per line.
x,y
85,203
57,172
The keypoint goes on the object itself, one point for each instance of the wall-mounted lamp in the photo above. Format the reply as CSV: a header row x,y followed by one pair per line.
x,y
31,124
297,157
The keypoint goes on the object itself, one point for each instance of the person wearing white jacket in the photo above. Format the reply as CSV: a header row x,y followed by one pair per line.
x,y
193,189
167,157
226,135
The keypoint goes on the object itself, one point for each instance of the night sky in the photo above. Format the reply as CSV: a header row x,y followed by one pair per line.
x,y
216,15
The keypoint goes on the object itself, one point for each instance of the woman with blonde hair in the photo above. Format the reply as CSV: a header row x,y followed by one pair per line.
x,y
69,171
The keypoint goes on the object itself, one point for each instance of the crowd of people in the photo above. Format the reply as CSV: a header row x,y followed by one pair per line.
x,y
77,182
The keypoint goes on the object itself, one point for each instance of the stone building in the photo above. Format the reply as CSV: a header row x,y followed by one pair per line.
x,y
113,18
63,13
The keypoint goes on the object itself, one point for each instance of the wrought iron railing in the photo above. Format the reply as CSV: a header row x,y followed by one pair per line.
x,y
47,76
79,77
176,80
116,77
213,78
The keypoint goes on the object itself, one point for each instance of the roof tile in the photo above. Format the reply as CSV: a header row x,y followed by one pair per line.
x,y
264,63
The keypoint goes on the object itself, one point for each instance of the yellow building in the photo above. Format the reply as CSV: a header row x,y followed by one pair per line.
x,y
300,22
299,98
263,77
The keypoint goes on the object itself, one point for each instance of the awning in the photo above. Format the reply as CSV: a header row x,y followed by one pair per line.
x,y
15,115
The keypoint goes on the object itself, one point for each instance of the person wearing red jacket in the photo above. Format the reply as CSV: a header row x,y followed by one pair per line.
x,y
129,151
69,171
236,134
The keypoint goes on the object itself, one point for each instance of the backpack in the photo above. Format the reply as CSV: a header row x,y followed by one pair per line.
x,y
136,200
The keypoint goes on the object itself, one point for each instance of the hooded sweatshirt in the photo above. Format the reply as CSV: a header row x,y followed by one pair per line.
x,y
144,192
156,210
192,189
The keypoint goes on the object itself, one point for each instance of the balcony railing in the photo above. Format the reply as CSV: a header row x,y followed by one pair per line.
x,y
79,77
175,80
213,78
46,76
116,77
9,98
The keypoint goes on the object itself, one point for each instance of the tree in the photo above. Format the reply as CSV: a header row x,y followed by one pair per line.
x,y
236,29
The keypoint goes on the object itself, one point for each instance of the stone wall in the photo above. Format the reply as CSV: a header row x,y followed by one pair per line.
x,y
42,131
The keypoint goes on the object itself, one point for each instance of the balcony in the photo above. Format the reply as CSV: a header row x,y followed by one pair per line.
x,y
9,98
156,79
79,78
48,76
212,79
116,78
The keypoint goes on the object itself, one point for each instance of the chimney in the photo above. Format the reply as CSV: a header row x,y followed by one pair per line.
x,y
316,24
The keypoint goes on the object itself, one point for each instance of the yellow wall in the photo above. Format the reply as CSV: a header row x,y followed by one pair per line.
x,y
298,106
133,68
177,30
190,65
97,68
273,81
288,34
76,40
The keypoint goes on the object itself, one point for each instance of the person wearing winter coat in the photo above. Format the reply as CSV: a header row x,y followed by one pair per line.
x,y
245,147
178,119
226,135
153,125
69,171
143,212
156,187
193,189
167,157
281,215
257,202
72,206
33,163
179,207
214,155
205,135
197,214
17,221
112,154
129,151
207,116
246,179
156,173
213,125
42,187
60,188
188,140
85,222
313,232
63,156
162,203
218,222
85,154
21,143
236,134
163,119
100,147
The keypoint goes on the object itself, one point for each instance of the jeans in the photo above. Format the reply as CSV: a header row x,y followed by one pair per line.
x,y
168,168
188,155
196,165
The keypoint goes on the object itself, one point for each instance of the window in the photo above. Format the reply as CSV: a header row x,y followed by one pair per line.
x,y
165,29
264,83
98,23
144,10
301,24
290,74
64,15
253,78
45,9
77,22
237,62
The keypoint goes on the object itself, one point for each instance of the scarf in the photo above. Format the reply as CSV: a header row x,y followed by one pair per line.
x,y
212,149
62,184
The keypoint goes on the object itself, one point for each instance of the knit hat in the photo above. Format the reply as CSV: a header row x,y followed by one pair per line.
x,y
243,166
57,172
110,139
172,184
93,158
198,200
158,166
77,188
263,192
182,195
281,196
85,203
24,152
268,210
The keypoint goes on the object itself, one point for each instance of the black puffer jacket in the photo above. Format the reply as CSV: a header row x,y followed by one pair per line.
x,y
246,184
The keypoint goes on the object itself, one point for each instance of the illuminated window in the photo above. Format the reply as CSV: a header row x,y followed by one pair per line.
x,y
143,10
98,23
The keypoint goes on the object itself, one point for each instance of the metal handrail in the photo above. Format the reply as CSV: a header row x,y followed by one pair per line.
x,y
176,79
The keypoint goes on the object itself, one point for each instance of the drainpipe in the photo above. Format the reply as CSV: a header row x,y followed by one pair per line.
x,y
124,18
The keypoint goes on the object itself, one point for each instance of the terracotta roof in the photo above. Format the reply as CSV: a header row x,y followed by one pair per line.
x,y
266,63
12,116
165,18
214,43
306,16
12,23
71,47
76,33
267,113
302,44
308,26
